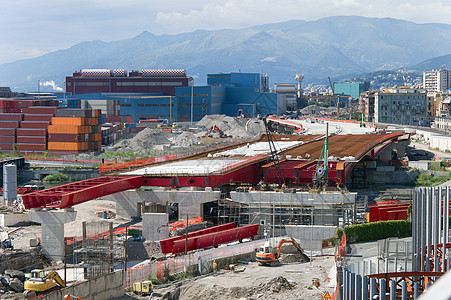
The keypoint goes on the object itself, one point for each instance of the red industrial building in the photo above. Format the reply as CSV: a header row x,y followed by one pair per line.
x,y
161,81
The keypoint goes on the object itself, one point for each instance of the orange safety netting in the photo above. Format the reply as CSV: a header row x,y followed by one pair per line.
x,y
174,226
98,236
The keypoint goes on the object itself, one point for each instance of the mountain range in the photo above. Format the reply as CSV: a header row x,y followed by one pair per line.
x,y
334,46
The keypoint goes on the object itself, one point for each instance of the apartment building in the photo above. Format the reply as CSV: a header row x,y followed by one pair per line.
x,y
406,106
437,80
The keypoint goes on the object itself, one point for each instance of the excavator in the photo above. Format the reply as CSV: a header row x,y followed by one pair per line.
x,y
268,256
41,282
214,128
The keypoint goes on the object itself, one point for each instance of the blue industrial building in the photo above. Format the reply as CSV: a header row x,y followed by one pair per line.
x,y
226,93
257,81
352,89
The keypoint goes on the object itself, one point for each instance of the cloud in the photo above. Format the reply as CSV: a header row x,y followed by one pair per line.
x,y
29,28
52,84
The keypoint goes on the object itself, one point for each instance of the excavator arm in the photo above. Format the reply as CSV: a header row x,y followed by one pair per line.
x,y
289,241
55,276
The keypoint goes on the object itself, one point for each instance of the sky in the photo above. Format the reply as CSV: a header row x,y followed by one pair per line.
x,y
30,28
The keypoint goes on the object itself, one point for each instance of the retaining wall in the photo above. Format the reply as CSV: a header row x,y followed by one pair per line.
x,y
101,288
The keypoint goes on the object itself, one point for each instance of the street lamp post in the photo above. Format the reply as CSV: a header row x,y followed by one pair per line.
x,y
311,234
192,101
39,84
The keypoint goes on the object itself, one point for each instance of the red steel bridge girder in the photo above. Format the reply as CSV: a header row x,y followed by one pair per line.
x,y
78,192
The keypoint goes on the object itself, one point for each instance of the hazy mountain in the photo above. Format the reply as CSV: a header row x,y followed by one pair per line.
x,y
441,62
335,46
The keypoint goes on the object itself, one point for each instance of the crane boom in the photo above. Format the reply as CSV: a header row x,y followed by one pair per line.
x,y
335,99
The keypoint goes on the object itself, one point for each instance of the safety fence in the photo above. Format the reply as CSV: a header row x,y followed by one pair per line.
x,y
179,264
137,163
340,250
66,160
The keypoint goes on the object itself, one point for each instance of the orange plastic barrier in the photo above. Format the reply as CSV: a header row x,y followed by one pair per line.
x,y
179,224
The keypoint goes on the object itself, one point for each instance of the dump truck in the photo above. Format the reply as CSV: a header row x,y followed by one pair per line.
x,y
42,282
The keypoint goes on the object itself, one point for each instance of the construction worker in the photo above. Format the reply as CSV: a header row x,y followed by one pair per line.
x,y
214,266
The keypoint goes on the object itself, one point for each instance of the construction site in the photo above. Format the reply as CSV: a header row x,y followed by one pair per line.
x,y
249,211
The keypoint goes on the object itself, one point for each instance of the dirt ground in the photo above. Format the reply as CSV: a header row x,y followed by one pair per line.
x,y
282,282
85,212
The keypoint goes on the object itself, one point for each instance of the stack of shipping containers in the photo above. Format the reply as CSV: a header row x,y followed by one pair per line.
x,y
74,131
8,126
32,134
11,105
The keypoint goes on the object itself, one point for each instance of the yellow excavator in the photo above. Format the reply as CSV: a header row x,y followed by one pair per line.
x,y
41,282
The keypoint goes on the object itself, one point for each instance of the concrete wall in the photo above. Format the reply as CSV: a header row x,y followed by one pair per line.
x,y
303,234
12,219
420,165
189,202
101,288
154,226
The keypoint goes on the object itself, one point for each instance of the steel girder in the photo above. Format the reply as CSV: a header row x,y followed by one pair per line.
x,y
81,191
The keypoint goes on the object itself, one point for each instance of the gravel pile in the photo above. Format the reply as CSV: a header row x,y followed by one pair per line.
x,y
186,139
148,139
233,126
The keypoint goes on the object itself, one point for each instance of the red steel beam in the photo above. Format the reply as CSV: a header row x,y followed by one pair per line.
x,y
81,191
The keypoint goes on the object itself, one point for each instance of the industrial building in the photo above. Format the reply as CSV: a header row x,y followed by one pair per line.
x,y
170,94
352,89
88,81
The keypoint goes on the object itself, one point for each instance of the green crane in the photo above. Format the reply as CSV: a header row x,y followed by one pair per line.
x,y
320,177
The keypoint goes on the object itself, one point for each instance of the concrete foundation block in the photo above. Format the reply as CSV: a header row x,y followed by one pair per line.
x,y
12,219
155,226
52,226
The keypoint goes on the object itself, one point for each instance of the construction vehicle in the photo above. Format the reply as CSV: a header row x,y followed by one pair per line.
x,y
41,282
214,128
142,288
267,255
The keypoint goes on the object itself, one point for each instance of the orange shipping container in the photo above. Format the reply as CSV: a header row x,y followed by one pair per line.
x,y
77,121
69,129
67,146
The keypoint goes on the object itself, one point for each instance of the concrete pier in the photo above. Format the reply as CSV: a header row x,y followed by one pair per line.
x,y
52,224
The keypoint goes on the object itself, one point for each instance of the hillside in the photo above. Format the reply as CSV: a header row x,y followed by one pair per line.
x,y
335,46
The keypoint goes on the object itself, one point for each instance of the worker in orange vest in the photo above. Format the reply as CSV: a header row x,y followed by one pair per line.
x,y
214,266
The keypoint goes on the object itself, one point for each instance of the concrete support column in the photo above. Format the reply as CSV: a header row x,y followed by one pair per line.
x,y
52,226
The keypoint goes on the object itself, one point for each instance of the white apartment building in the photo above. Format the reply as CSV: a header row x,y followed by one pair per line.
x,y
406,106
437,80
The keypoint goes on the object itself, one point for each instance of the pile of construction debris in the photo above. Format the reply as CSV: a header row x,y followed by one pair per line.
x,y
264,290
235,127
314,110
156,139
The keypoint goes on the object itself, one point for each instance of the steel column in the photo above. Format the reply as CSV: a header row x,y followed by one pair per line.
x,y
404,290
358,287
392,289
382,288
365,286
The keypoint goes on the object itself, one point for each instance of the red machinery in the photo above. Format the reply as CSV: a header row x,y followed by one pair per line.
x,y
219,131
